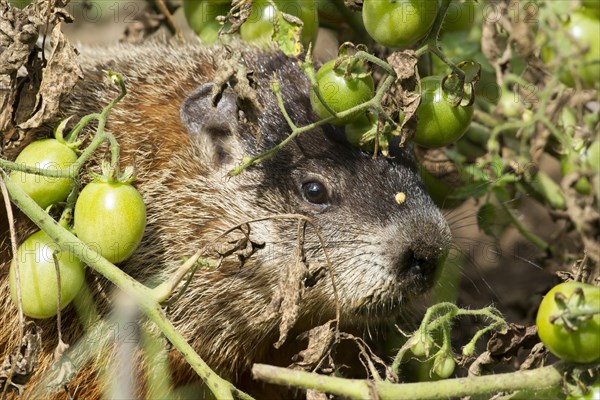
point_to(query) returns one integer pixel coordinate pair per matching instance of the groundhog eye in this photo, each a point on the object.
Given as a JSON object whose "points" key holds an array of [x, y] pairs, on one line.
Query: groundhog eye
{"points": [[315, 192]]}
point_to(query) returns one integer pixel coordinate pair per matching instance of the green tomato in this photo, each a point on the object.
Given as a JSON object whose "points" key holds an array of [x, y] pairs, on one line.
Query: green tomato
{"points": [[444, 365], [210, 33], [422, 344], [201, 15], [259, 25], [510, 104], [38, 281], [460, 16], [583, 159], [592, 158], [355, 130], [110, 218], [399, 23], [581, 345], [440, 192], [585, 31], [592, 9], [439, 122], [340, 93], [49, 154]]}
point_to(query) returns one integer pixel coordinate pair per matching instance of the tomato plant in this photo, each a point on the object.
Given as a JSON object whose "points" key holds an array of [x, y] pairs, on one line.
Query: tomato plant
{"points": [[581, 34], [421, 344], [572, 338], [37, 274], [48, 154], [259, 25], [440, 123], [341, 89], [398, 23], [110, 218]]}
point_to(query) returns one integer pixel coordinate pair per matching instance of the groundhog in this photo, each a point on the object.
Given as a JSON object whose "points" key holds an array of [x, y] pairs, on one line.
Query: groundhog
{"points": [[183, 142]]}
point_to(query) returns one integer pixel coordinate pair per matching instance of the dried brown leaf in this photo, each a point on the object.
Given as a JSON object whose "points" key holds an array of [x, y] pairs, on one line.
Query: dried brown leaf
{"points": [[285, 304], [19, 30], [18, 367], [59, 78], [402, 95], [315, 395], [509, 342], [320, 340]]}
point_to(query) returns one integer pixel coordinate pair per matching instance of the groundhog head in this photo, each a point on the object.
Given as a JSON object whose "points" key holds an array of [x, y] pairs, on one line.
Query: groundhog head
{"points": [[381, 230]]}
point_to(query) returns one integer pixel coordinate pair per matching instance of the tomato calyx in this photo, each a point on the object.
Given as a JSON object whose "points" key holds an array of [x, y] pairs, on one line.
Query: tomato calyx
{"points": [[350, 67], [421, 344], [444, 364], [573, 310], [460, 91], [112, 174]]}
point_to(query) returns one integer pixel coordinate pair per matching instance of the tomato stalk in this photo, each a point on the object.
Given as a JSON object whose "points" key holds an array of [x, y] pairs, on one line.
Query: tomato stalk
{"points": [[431, 41], [439, 316], [540, 378], [99, 139]]}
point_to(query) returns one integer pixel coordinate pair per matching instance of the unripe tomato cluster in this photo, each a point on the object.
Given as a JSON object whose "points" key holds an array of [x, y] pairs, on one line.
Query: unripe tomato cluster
{"points": [[110, 217], [201, 16], [396, 24]]}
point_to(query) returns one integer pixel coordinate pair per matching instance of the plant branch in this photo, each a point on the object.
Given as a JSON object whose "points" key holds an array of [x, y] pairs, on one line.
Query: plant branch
{"points": [[540, 378]]}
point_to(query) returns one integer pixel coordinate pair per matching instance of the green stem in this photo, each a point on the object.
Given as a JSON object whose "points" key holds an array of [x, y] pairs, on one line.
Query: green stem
{"points": [[486, 119], [431, 42], [540, 378], [532, 237], [578, 313], [53, 173]]}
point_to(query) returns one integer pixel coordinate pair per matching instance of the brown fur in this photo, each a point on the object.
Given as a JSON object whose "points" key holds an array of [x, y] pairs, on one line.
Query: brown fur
{"points": [[373, 241]]}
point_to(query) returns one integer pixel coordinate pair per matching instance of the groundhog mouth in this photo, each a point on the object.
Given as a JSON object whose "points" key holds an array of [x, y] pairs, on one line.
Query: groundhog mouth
{"points": [[392, 296]]}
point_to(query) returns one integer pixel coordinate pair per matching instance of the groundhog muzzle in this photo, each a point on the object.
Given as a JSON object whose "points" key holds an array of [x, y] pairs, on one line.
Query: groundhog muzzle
{"points": [[383, 251]]}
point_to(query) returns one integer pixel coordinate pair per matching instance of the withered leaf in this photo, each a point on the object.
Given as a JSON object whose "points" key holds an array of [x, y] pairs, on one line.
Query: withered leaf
{"points": [[320, 339], [314, 395], [285, 303], [23, 361], [60, 76], [402, 94], [508, 343]]}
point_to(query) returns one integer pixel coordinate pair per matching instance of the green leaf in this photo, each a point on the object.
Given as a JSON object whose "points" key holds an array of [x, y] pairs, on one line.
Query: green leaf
{"points": [[475, 190], [486, 217], [286, 32]]}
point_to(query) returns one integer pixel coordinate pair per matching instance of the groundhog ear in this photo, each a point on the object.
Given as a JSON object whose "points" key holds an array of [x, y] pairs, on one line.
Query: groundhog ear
{"points": [[213, 127]]}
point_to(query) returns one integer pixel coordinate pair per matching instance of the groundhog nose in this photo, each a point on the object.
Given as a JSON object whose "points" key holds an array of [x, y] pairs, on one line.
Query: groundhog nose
{"points": [[422, 264]]}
